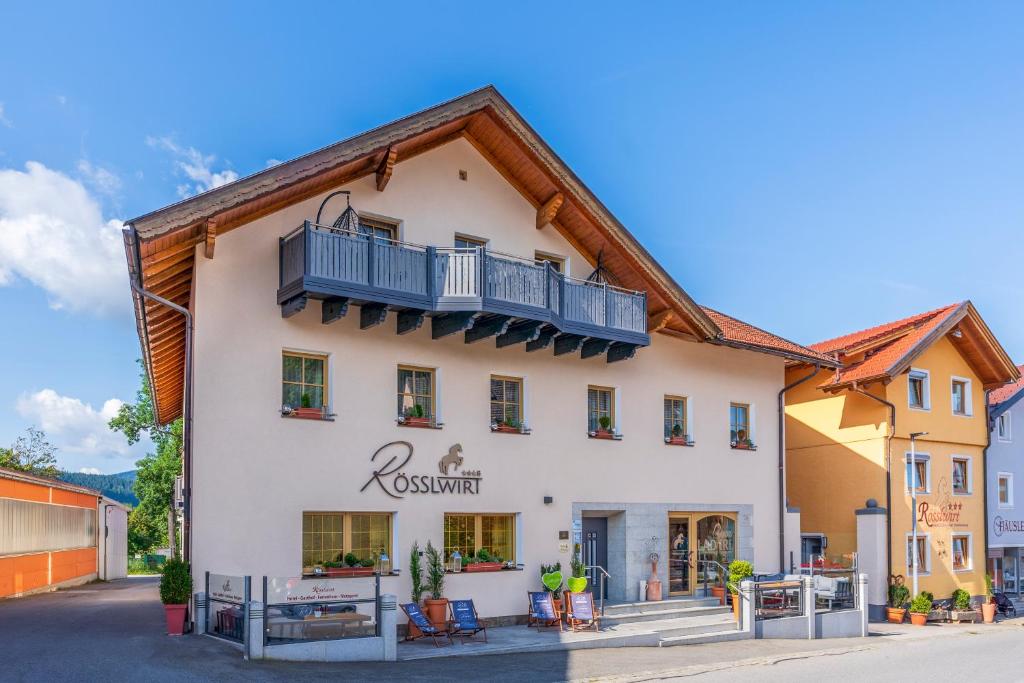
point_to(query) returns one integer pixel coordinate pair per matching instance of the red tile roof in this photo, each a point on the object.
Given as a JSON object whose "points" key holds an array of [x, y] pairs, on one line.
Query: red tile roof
{"points": [[857, 338], [1004, 393], [738, 332]]}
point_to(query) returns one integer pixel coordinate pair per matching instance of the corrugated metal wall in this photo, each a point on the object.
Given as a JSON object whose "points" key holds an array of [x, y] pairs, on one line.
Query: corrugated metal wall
{"points": [[29, 527]]}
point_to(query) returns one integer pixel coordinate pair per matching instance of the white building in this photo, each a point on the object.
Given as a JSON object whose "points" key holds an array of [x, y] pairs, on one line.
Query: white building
{"points": [[513, 368]]}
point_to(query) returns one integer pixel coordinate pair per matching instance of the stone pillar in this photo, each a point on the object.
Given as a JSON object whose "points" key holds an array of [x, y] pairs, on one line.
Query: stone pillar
{"points": [[254, 642], [201, 606], [746, 598], [862, 603], [873, 557], [809, 609], [389, 626]]}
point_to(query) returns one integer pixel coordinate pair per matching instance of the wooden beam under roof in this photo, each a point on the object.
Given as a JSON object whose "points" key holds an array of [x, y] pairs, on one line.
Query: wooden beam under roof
{"points": [[386, 168], [549, 209], [211, 237]]}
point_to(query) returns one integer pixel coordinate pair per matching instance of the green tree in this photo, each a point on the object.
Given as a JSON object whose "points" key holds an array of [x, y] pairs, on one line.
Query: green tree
{"points": [[154, 482], [33, 454]]}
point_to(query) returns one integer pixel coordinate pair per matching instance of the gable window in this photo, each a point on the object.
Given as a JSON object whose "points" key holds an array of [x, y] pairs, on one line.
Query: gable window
{"points": [[415, 396], [961, 476], [506, 404], [330, 536], [466, 242], [919, 390], [676, 421], [961, 547], [469, 534], [919, 473], [600, 411], [378, 228], [1004, 489], [557, 262], [923, 556], [961, 396], [1003, 427], [740, 435], [303, 381]]}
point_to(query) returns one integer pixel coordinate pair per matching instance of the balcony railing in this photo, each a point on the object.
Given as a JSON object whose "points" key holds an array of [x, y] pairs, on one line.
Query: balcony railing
{"points": [[321, 261]]}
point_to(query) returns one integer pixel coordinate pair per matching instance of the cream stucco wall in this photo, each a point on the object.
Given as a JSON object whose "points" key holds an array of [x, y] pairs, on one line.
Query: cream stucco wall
{"points": [[256, 472]]}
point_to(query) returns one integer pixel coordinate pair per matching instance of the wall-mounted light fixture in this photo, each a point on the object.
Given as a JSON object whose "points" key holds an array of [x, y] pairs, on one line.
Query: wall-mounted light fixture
{"points": [[548, 500]]}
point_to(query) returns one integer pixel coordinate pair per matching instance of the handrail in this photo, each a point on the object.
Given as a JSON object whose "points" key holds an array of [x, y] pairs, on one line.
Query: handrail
{"points": [[604, 574]]}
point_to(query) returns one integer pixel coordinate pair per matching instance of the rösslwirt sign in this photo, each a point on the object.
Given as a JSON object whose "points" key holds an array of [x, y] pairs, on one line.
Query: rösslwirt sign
{"points": [[392, 478]]}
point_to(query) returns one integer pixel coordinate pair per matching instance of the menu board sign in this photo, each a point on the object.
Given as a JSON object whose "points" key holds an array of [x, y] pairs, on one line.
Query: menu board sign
{"points": [[296, 590], [226, 588]]}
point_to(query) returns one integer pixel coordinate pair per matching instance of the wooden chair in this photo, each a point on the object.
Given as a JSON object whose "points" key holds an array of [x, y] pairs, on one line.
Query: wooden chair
{"points": [[579, 612], [465, 621], [542, 610], [418, 619]]}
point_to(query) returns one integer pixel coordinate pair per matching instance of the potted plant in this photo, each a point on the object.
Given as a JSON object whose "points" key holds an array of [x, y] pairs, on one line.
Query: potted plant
{"points": [[306, 409], [436, 604], [962, 607], [919, 609], [577, 583], [416, 574], [551, 577], [175, 592], [898, 594], [988, 606], [604, 428], [349, 565], [484, 562], [415, 416], [677, 437], [742, 441], [739, 570], [509, 426]]}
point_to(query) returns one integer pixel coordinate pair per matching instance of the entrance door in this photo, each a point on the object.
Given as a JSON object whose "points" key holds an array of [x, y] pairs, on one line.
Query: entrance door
{"points": [[716, 547], [680, 567], [595, 550]]}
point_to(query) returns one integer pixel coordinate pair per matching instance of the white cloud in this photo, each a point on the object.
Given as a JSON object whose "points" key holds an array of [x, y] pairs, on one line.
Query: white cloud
{"points": [[101, 180], [90, 470], [75, 427], [4, 121], [62, 100], [273, 162], [53, 234], [194, 165]]}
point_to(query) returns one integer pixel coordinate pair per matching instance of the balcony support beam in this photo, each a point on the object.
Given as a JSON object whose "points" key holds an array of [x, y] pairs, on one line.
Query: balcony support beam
{"points": [[544, 338], [490, 326], [595, 347], [386, 167], [620, 351], [410, 320], [333, 309], [451, 323], [568, 343], [371, 315], [293, 306], [522, 331]]}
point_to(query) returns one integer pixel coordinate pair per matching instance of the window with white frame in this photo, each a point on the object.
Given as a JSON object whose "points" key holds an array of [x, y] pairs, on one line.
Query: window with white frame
{"points": [[923, 556], [1003, 427], [960, 396], [961, 475], [919, 389], [960, 546], [1004, 489], [919, 473]]}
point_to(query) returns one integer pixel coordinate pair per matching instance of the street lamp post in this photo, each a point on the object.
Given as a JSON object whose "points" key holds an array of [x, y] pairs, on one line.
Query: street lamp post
{"points": [[913, 510]]}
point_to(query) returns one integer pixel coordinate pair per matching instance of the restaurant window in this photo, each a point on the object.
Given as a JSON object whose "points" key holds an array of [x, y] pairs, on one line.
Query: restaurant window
{"points": [[416, 393], [1003, 426], [676, 422], [600, 409], [506, 401], [919, 473], [961, 396], [330, 536], [1004, 489], [466, 242], [923, 557], [557, 262], [378, 228], [303, 380], [961, 547], [740, 435], [918, 390], [470, 533], [961, 476]]}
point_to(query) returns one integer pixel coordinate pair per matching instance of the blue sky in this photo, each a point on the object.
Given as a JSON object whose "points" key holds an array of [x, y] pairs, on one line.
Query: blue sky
{"points": [[813, 168]]}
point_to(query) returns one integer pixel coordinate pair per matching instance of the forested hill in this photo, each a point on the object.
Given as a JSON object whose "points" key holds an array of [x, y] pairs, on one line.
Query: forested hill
{"points": [[117, 486]]}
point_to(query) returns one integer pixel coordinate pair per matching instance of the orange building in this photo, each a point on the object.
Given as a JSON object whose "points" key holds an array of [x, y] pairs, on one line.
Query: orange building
{"points": [[49, 537]]}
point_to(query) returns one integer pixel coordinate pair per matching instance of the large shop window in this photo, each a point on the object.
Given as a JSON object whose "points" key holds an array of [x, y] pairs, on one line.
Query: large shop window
{"points": [[330, 536], [469, 533], [600, 409], [303, 380], [923, 557], [416, 391], [507, 401]]}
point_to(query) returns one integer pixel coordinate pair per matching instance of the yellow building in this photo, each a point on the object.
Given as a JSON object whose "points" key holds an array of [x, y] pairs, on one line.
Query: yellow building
{"points": [[848, 432]]}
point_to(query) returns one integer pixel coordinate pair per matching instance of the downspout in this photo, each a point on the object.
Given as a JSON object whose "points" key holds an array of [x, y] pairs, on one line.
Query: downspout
{"points": [[888, 472], [984, 470], [782, 462], [135, 278]]}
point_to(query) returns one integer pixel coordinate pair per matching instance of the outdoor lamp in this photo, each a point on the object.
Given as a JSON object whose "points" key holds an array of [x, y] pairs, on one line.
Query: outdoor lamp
{"points": [[456, 564], [383, 563]]}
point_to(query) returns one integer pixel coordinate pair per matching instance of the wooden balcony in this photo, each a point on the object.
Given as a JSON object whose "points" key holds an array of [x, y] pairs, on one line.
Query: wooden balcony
{"points": [[475, 291]]}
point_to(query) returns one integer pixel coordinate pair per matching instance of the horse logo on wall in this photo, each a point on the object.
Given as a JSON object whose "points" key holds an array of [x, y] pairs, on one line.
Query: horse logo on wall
{"points": [[454, 457]]}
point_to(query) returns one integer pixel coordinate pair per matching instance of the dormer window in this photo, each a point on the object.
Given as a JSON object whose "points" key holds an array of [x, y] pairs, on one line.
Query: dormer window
{"points": [[919, 390]]}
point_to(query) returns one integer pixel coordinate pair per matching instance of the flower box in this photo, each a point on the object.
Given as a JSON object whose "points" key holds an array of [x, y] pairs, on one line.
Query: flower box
{"points": [[416, 421], [508, 429], [679, 441], [604, 434], [740, 446], [307, 413], [342, 572], [968, 615], [484, 567]]}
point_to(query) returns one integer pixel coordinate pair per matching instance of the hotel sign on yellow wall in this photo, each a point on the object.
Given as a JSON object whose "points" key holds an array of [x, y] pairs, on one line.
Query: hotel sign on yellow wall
{"points": [[944, 515]]}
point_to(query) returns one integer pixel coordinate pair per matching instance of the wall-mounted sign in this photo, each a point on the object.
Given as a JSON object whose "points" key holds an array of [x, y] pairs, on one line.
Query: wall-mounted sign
{"points": [[944, 515], [227, 588], [1002, 526], [295, 590], [395, 482]]}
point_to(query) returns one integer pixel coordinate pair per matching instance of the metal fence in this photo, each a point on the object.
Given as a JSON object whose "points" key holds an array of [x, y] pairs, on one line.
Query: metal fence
{"points": [[778, 599]]}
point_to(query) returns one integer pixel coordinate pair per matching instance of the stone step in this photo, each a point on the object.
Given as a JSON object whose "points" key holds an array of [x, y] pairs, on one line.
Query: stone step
{"points": [[693, 625], [674, 613], [614, 608], [707, 637]]}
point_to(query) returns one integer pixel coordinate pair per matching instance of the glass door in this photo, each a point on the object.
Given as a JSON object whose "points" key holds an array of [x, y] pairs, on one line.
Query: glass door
{"points": [[716, 547], [679, 565], [1010, 575]]}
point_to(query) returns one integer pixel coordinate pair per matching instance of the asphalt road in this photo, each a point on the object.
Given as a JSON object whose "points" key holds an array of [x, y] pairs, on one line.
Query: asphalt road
{"points": [[115, 632]]}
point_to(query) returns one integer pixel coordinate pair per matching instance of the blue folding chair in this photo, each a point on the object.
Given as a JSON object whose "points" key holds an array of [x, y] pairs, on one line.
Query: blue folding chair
{"points": [[465, 620], [418, 619]]}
